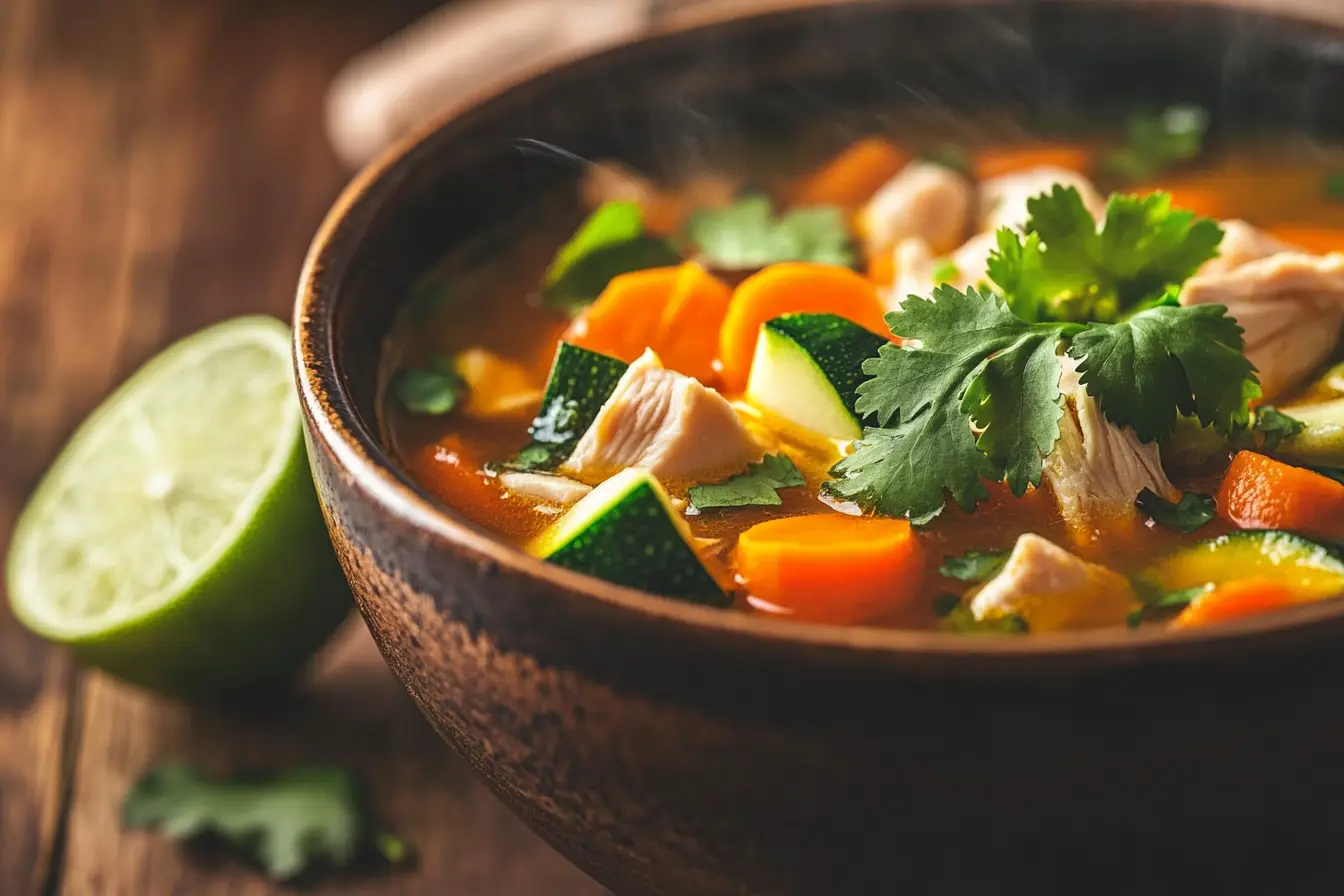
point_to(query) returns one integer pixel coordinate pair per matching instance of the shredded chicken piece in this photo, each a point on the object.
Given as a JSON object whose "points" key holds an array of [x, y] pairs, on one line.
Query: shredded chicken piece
{"points": [[1290, 303], [1003, 200], [1053, 590], [544, 487], [668, 423], [915, 266], [924, 200], [1097, 469]]}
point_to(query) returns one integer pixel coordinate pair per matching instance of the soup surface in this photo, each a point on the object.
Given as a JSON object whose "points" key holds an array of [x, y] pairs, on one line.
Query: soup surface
{"points": [[937, 386]]}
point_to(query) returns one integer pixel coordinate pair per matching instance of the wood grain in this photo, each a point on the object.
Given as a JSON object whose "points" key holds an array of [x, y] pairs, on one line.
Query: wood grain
{"points": [[162, 166]]}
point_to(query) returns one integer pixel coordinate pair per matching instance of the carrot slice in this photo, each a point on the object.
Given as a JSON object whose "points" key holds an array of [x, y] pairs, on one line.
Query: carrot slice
{"points": [[624, 320], [850, 178], [1235, 600], [451, 472], [830, 567], [1259, 492], [687, 339], [1318, 240], [882, 268], [790, 288], [999, 161]]}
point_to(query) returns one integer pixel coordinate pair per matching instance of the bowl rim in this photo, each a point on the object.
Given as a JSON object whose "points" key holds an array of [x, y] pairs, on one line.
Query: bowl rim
{"points": [[329, 410]]}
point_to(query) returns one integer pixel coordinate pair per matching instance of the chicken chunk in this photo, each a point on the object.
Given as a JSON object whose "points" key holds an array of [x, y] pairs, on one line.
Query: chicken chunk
{"points": [[666, 422], [925, 200], [544, 487], [1097, 469], [915, 266], [1290, 303], [1003, 200], [1053, 590]]}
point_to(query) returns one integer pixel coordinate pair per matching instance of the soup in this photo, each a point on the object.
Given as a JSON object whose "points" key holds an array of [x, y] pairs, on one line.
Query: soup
{"points": [[934, 387]]}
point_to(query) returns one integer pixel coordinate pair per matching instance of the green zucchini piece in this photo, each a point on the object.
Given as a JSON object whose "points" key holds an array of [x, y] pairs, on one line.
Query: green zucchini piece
{"points": [[807, 369], [1312, 570], [626, 531], [1321, 443], [580, 383]]}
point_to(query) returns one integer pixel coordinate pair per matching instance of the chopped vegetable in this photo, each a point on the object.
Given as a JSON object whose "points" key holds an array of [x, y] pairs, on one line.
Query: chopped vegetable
{"points": [[831, 567], [989, 163], [609, 243], [1191, 512], [580, 383], [1316, 240], [855, 174], [945, 270], [688, 332], [289, 823], [1319, 442], [497, 386], [950, 155], [974, 566], [1156, 142], [1259, 492], [1273, 426], [1235, 600], [757, 486], [625, 319], [748, 235], [434, 392], [1333, 185], [963, 622], [789, 289], [1312, 570]]}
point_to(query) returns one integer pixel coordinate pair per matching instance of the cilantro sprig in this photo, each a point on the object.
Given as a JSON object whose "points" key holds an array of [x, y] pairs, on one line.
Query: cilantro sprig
{"points": [[758, 486], [748, 234]]}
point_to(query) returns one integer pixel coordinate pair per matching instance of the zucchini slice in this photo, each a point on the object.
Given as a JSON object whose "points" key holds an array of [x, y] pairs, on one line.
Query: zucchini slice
{"points": [[1321, 443], [807, 369], [579, 384], [1314, 571], [626, 531]]}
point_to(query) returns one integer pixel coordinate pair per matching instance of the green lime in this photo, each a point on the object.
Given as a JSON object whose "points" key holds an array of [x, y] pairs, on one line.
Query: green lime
{"points": [[177, 541]]}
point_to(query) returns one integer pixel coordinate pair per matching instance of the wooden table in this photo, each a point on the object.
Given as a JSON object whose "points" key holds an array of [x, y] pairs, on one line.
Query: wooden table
{"points": [[162, 166]]}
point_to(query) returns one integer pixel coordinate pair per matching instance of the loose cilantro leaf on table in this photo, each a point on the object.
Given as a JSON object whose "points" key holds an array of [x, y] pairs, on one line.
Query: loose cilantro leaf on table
{"points": [[1063, 268], [289, 823], [749, 235], [609, 243], [974, 566], [1191, 512], [757, 486], [1156, 142], [1273, 426], [434, 391]]}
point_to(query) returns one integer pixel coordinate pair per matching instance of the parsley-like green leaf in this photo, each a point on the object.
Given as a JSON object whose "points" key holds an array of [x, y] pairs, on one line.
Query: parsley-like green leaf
{"points": [[952, 156], [945, 270], [609, 243], [974, 566], [967, 360], [1333, 186], [1064, 268], [945, 604], [1156, 142], [288, 823], [1165, 361], [1273, 426], [1191, 512], [748, 235], [757, 486], [435, 391]]}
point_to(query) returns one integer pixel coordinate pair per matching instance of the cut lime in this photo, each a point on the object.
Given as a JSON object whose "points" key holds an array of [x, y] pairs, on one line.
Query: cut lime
{"points": [[177, 541]]}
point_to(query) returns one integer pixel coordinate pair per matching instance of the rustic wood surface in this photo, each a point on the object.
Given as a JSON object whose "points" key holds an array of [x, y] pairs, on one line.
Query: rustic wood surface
{"points": [[162, 166]]}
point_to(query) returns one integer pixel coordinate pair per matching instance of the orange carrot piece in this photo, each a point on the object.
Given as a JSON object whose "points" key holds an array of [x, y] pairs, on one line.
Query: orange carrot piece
{"points": [[625, 318], [1318, 240], [452, 472], [688, 332], [882, 268], [1259, 492], [830, 567], [1202, 199], [790, 288], [852, 177], [1235, 600], [999, 161]]}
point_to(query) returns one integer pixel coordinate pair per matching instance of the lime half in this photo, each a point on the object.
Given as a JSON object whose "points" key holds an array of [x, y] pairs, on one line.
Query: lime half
{"points": [[177, 541]]}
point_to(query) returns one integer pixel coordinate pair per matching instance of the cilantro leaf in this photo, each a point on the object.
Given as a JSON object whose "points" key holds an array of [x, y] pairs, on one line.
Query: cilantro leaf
{"points": [[1191, 512], [1064, 268], [1333, 186], [1156, 142], [435, 391], [757, 486], [609, 243], [1165, 361], [973, 566], [748, 235], [967, 359], [289, 823], [1273, 426]]}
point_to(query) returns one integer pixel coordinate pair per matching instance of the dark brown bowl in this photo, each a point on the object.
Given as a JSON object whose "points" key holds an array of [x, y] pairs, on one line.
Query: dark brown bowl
{"points": [[674, 749]]}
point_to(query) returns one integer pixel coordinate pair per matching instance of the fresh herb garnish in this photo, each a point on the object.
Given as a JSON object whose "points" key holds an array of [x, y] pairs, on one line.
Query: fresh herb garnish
{"points": [[434, 391], [1273, 426], [579, 384], [945, 603], [1333, 186], [962, 621], [757, 486], [974, 566], [609, 243], [950, 155], [749, 235], [1157, 142], [1191, 512], [945, 270], [289, 823]]}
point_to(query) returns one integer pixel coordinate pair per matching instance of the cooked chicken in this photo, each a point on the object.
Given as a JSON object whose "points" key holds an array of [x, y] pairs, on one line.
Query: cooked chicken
{"points": [[1003, 200], [666, 422], [1052, 590], [925, 200], [544, 487], [915, 266], [1097, 469], [1290, 304]]}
